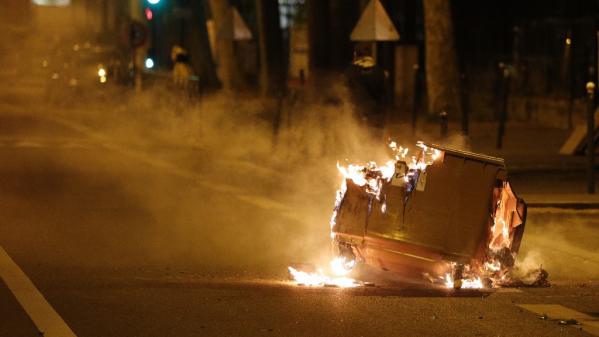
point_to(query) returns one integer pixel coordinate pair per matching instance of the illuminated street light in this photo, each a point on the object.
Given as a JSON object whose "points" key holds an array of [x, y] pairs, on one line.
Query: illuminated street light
{"points": [[568, 41], [153, 2], [149, 63]]}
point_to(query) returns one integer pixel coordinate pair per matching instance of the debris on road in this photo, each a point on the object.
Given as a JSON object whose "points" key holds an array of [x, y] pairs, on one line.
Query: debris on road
{"points": [[536, 278]]}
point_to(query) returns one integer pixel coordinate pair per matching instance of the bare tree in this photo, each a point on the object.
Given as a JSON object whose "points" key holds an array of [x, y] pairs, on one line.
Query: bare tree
{"points": [[442, 76], [272, 73], [318, 34], [201, 60]]}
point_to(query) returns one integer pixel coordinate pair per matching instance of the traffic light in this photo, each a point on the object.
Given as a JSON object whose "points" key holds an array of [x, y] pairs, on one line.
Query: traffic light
{"points": [[149, 14], [152, 12]]}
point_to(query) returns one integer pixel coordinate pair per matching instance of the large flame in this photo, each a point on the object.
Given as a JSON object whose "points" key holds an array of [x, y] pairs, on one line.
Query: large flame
{"points": [[371, 177], [319, 279], [499, 246], [340, 267]]}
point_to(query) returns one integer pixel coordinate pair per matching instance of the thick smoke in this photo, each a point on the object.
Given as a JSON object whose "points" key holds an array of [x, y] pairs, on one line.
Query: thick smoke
{"points": [[561, 242], [230, 182]]}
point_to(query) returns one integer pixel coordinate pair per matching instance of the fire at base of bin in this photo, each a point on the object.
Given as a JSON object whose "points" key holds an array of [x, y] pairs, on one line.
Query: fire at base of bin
{"points": [[448, 216]]}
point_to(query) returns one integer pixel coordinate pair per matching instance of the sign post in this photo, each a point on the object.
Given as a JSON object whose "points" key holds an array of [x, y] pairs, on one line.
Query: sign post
{"points": [[136, 36], [374, 25], [590, 137]]}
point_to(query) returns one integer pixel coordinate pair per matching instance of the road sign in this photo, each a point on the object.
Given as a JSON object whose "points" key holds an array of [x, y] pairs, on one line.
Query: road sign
{"points": [[374, 25], [136, 34], [241, 31]]}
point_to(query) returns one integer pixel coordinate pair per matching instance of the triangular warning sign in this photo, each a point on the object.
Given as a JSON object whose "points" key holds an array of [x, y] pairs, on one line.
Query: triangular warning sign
{"points": [[240, 28], [374, 25]]}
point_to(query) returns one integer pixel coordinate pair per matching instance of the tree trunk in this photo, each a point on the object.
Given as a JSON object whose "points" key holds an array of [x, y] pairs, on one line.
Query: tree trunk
{"points": [[345, 15], [318, 33], [442, 76], [272, 67], [223, 25], [199, 46]]}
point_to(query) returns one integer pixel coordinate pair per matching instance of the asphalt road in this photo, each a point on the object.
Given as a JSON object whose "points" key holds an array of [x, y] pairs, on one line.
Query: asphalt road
{"points": [[122, 245]]}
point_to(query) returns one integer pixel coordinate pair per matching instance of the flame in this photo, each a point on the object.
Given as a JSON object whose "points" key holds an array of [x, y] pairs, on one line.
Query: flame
{"points": [[504, 220], [338, 199], [493, 265], [340, 267], [469, 283], [475, 283], [371, 177]]}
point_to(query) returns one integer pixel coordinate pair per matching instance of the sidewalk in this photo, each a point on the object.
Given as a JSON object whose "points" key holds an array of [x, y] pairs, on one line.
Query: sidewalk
{"points": [[564, 201], [526, 146]]}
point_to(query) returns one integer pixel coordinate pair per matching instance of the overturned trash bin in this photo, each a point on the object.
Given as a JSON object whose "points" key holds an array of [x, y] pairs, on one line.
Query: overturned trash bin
{"points": [[442, 212]]}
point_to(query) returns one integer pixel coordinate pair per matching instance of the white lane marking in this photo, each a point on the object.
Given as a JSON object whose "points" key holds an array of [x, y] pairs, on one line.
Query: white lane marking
{"points": [[555, 311], [42, 143], [26, 143], [47, 320]]}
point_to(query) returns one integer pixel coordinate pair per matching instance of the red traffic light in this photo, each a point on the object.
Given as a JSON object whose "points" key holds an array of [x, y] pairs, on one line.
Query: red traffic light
{"points": [[149, 14]]}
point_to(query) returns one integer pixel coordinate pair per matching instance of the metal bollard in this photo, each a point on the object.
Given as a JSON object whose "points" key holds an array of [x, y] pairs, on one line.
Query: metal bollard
{"points": [[465, 104], [443, 124], [504, 105], [302, 76], [416, 97], [590, 137]]}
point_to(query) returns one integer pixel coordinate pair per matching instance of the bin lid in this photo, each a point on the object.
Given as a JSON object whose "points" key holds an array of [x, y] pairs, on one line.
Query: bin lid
{"points": [[470, 155]]}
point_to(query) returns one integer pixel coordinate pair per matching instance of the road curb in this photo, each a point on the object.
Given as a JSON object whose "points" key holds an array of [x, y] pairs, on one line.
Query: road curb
{"points": [[563, 205]]}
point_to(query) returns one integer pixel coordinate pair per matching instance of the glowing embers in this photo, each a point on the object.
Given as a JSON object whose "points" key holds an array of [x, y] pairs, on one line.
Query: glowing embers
{"points": [[475, 283], [494, 272]]}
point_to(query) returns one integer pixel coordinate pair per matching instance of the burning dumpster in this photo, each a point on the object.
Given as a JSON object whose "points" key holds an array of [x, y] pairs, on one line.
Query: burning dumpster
{"points": [[446, 214]]}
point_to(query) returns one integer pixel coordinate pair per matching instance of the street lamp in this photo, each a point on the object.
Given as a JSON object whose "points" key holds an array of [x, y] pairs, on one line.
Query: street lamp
{"points": [[590, 137], [153, 2], [149, 63]]}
